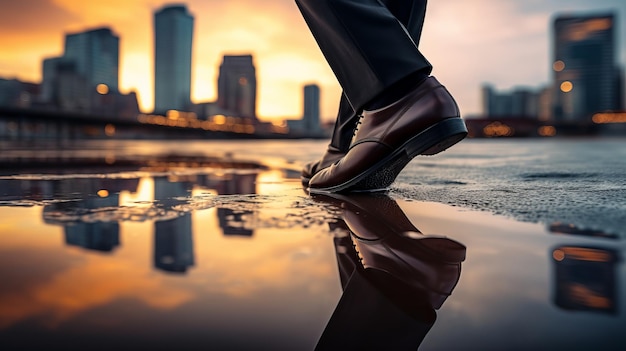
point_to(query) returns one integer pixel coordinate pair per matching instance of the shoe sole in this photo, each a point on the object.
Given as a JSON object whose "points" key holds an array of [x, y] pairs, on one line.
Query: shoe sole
{"points": [[434, 247], [380, 176], [305, 180]]}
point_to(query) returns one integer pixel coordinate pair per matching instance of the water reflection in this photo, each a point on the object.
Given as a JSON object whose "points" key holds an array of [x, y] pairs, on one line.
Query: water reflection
{"points": [[173, 243], [89, 209], [585, 277], [393, 277], [232, 221]]}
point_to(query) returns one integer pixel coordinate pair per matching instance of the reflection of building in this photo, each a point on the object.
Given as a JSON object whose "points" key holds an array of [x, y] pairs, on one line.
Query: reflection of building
{"points": [[570, 229], [233, 222], [586, 76], [173, 243], [585, 278], [100, 236], [80, 226], [236, 86], [173, 34]]}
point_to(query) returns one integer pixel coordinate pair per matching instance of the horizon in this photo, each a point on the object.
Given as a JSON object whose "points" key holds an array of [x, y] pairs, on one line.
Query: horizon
{"points": [[286, 56]]}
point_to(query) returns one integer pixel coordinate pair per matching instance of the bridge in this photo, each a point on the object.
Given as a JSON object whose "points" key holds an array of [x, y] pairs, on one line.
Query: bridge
{"points": [[18, 124]]}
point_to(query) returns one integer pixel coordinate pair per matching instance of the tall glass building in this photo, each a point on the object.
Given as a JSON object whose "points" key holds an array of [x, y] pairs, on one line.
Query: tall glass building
{"points": [[95, 54], [236, 86], [586, 76], [173, 35]]}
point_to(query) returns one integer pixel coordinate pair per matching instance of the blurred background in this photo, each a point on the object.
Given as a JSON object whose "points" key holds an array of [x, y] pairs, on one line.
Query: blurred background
{"points": [[252, 68]]}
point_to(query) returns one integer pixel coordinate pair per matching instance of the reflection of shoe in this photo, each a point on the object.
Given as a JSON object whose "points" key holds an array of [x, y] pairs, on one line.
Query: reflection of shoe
{"points": [[424, 122], [386, 241], [331, 156]]}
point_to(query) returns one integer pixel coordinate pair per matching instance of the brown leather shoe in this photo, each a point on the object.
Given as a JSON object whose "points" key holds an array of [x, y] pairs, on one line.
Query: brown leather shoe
{"points": [[424, 122], [386, 241], [331, 156]]}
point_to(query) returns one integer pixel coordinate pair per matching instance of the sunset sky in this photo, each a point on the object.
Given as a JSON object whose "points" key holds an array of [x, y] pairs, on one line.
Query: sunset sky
{"points": [[469, 42]]}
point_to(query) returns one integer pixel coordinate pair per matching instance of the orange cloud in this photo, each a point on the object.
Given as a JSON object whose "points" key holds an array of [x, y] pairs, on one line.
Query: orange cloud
{"points": [[285, 53]]}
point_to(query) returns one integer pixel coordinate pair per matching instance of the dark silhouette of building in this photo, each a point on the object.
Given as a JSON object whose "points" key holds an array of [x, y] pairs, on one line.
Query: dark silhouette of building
{"points": [[95, 54], [236, 86], [520, 102], [311, 115], [173, 242], [587, 79], [15, 93], [309, 125], [173, 35], [86, 78], [233, 222], [585, 278], [101, 236]]}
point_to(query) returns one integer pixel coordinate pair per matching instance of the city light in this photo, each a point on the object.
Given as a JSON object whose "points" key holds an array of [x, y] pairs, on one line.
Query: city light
{"points": [[546, 131], [609, 117], [498, 129], [219, 119], [217, 123], [109, 130], [567, 86], [102, 89], [558, 66]]}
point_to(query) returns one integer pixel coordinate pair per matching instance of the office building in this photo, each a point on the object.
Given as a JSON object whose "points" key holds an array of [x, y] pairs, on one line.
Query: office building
{"points": [[586, 75], [311, 115], [65, 87], [236, 86], [520, 102], [95, 55], [309, 125], [173, 35]]}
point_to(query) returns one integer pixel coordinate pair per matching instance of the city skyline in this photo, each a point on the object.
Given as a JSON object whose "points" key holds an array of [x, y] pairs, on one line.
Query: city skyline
{"points": [[518, 53]]}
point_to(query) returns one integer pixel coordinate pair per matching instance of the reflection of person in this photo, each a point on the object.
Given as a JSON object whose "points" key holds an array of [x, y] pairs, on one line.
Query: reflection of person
{"points": [[372, 47], [393, 276]]}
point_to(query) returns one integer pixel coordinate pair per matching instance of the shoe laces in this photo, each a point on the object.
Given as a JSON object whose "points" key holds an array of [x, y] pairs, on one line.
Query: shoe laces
{"points": [[356, 127]]}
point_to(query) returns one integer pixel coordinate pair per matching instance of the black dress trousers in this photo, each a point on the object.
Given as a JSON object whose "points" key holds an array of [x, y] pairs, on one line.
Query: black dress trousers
{"points": [[369, 44]]}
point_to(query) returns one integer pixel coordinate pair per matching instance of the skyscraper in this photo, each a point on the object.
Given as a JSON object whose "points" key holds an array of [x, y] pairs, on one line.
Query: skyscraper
{"points": [[236, 86], [586, 74], [95, 54], [173, 35], [519, 103], [311, 116]]}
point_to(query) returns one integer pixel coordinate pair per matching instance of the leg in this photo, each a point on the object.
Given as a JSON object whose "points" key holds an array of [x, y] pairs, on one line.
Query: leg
{"points": [[367, 48], [382, 73], [411, 15]]}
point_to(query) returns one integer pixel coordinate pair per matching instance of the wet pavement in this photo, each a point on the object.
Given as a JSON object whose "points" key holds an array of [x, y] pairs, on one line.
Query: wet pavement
{"points": [[226, 255]]}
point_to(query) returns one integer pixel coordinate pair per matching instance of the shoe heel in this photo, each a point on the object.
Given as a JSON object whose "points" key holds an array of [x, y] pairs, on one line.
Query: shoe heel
{"points": [[441, 136]]}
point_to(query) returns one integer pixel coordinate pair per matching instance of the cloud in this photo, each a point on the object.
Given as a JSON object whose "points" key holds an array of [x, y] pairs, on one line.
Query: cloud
{"points": [[469, 42], [28, 17], [506, 43]]}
